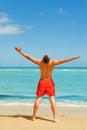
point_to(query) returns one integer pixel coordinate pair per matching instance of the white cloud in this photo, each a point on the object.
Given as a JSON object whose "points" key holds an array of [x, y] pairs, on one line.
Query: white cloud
{"points": [[8, 27], [4, 20]]}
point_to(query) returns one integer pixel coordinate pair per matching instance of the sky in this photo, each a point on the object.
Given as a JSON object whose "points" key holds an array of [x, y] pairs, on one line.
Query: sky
{"points": [[54, 27]]}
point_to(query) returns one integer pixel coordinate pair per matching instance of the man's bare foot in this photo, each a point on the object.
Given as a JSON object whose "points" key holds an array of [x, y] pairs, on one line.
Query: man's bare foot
{"points": [[33, 118], [56, 120]]}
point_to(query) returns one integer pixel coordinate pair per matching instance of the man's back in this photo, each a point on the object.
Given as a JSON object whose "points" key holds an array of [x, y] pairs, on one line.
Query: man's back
{"points": [[46, 69]]}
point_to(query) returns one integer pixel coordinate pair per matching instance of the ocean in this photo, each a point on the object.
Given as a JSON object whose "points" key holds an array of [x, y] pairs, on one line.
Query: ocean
{"points": [[18, 85]]}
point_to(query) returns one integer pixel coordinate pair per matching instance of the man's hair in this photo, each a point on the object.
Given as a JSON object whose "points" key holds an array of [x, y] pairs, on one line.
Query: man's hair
{"points": [[46, 59]]}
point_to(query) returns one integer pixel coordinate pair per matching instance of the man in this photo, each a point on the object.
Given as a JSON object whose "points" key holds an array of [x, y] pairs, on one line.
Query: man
{"points": [[45, 84]]}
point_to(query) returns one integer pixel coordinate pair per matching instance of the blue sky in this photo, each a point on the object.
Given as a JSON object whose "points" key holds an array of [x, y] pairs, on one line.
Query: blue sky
{"points": [[56, 27]]}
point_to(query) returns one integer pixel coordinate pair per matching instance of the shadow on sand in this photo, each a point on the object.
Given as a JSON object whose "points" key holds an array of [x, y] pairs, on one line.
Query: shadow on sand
{"points": [[30, 118]]}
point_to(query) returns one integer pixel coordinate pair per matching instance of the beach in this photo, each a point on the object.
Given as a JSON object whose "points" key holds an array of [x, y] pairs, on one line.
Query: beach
{"points": [[18, 93], [19, 117]]}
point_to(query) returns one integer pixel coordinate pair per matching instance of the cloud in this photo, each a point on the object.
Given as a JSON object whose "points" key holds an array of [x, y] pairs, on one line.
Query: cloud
{"points": [[54, 12], [8, 27], [61, 14], [4, 20], [64, 15]]}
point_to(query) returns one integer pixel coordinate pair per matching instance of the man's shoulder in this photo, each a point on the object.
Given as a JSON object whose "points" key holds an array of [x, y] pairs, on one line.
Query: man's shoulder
{"points": [[51, 62]]}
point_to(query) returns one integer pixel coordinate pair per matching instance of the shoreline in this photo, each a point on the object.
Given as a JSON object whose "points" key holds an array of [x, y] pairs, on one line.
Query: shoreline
{"points": [[77, 111]]}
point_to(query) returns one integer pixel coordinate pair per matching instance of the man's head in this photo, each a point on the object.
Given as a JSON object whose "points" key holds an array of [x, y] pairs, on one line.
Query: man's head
{"points": [[46, 59]]}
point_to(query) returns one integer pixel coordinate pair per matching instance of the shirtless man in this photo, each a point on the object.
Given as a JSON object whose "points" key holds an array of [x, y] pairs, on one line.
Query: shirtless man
{"points": [[45, 84]]}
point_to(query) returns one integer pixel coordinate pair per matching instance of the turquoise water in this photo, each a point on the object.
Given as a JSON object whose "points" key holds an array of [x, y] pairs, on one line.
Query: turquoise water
{"points": [[18, 85]]}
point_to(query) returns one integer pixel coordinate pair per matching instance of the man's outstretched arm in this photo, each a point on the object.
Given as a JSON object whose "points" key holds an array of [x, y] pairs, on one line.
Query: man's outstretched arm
{"points": [[34, 60], [57, 62]]}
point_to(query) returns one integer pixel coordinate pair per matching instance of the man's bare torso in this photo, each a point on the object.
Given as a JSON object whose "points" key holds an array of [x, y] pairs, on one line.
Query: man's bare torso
{"points": [[46, 70]]}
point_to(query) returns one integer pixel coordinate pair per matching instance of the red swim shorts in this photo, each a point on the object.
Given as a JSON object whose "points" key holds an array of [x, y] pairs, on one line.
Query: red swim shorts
{"points": [[45, 86]]}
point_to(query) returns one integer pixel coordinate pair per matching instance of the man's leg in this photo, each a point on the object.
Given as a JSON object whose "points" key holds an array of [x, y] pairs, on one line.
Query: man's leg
{"points": [[36, 105], [53, 107]]}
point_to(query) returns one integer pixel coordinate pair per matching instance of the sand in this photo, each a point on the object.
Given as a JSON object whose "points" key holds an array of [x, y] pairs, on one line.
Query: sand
{"points": [[18, 117]]}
